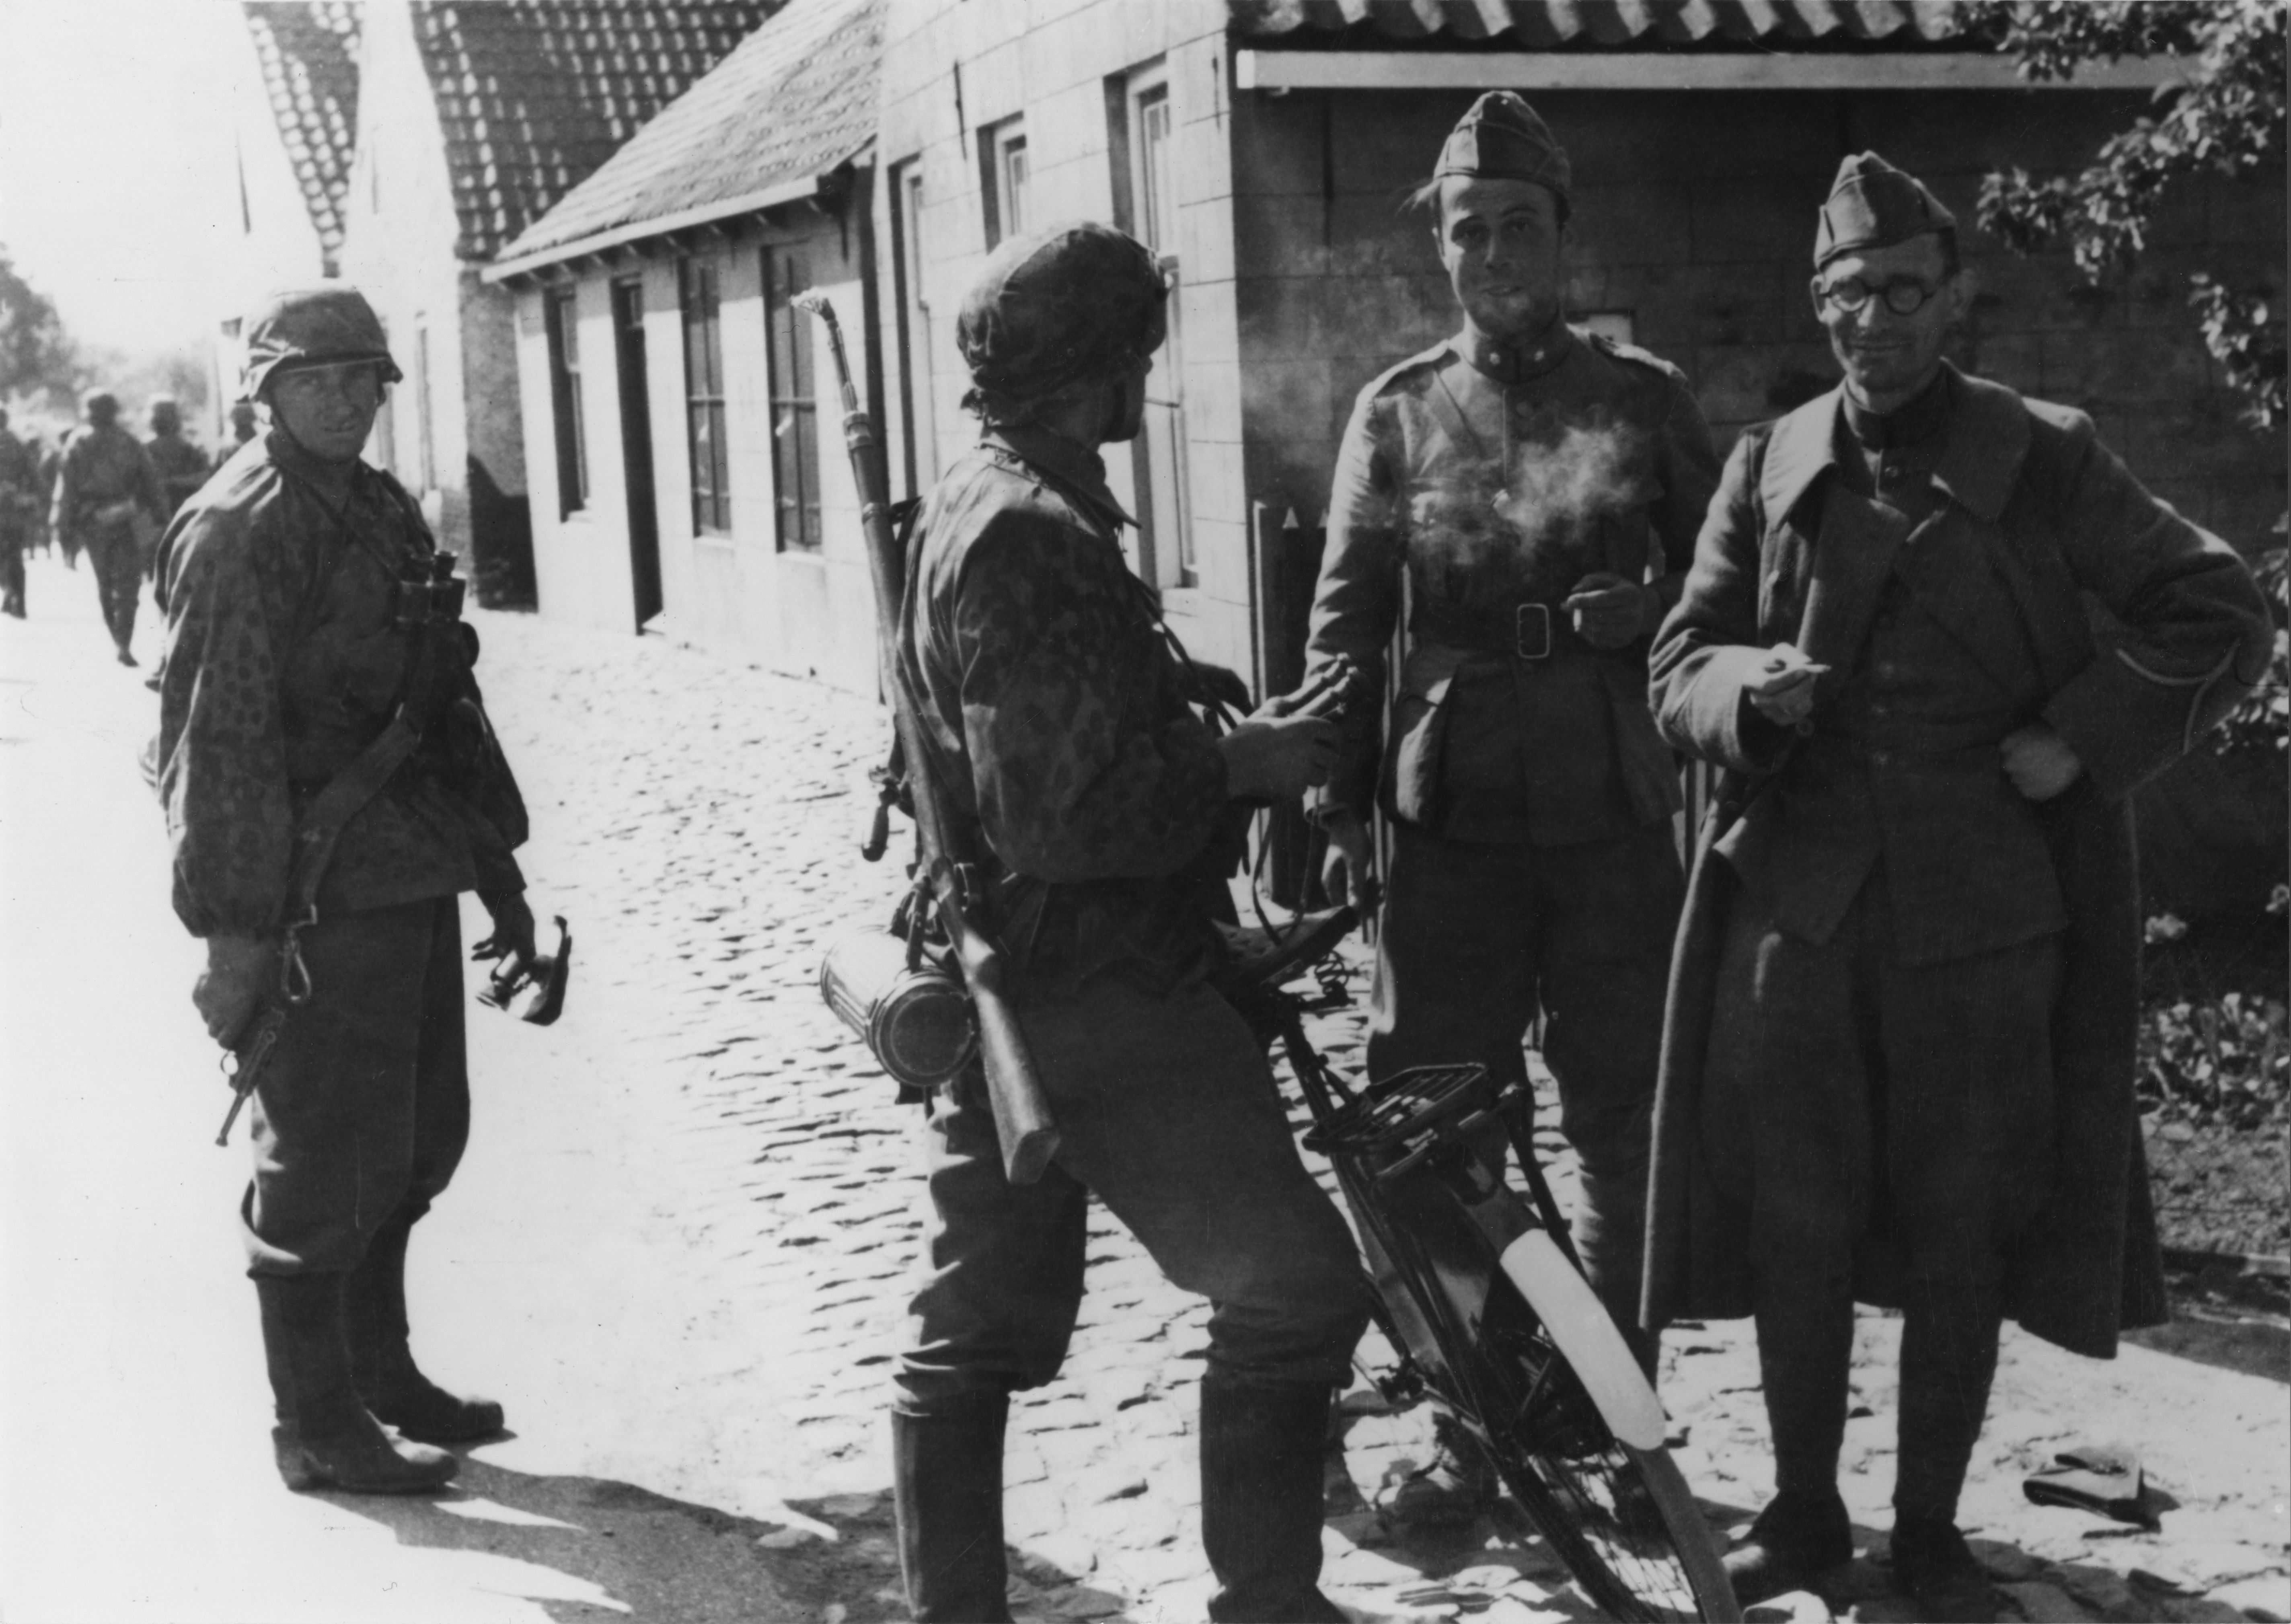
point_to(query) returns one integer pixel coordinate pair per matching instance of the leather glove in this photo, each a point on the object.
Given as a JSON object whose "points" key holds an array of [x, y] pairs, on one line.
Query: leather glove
{"points": [[240, 969]]}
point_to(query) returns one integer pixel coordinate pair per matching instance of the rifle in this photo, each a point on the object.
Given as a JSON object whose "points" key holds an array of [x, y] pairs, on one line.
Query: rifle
{"points": [[251, 1045], [1023, 1122]]}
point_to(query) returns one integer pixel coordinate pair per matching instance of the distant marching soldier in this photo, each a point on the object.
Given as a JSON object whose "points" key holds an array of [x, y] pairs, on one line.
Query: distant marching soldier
{"points": [[309, 633], [242, 431], [182, 466], [1538, 490], [19, 485], [108, 498], [1899, 1063]]}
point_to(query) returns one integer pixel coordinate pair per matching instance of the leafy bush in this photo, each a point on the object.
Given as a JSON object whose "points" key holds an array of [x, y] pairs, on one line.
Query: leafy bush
{"points": [[2226, 1059]]}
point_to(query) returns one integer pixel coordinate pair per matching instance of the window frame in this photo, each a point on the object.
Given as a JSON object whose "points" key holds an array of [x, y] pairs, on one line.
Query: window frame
{"points": [[562, 321], [792, 400], [699, 311], [1153, 215], [1004, 194]]}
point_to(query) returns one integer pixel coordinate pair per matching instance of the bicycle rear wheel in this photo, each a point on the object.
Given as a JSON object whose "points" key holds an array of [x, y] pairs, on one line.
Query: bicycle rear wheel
{"points": [[1619, 1516]]}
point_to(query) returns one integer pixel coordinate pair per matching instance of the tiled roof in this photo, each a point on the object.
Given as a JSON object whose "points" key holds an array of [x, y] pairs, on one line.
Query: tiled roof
{"points": [[308, 50], [1604, 24], [534, 95], [792, 103]]}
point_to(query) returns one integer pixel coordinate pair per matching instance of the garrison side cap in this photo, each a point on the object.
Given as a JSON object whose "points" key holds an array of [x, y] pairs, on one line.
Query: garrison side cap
{"points": [[319, 325], [1501, 139], [1872, 205]]}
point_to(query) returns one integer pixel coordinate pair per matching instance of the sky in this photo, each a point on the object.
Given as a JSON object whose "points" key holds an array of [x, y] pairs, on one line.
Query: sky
{"points": [[119, 189]]}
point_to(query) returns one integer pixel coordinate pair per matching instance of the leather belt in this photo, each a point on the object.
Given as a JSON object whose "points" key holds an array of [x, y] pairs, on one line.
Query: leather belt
{"points": [[1525, 630]]}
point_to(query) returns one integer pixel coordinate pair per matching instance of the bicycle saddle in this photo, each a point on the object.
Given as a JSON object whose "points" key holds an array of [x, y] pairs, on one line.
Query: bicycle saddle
{"points": [[1258, 958]]}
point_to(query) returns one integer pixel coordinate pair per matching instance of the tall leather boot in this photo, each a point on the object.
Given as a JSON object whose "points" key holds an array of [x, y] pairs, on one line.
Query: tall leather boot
{"points": [[947, 1484], [381, 1363], [1261, 1449], [325, 1439]]}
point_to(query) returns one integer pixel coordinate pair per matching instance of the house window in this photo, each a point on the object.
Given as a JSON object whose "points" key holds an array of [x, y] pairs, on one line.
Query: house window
{"points": [[564, 390], [425, 440], [1007, 176], [1165, 515], [795, 409], [703, 400], [914, 325]]}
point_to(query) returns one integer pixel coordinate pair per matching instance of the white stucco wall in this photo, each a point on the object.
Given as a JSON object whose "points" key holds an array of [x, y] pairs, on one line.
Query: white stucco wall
{"points": [[1048, 62]]}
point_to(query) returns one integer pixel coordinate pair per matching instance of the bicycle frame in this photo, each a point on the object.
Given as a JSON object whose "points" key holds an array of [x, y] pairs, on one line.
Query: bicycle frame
{"points": [[1483, 1297]]}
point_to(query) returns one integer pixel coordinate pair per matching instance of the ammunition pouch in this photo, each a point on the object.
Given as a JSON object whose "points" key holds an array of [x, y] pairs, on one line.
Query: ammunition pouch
{"points": [[909, 1006]]}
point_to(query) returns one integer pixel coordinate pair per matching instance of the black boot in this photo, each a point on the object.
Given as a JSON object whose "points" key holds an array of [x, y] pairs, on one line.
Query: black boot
{"points": [[382, 1363], [1261, 1452], [325, 1439], [1938, 1570], [947, 1482], [1799, 1543]]}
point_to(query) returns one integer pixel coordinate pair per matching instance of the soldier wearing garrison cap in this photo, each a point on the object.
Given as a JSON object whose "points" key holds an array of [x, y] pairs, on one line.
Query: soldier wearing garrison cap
{"points": [[1899, 1060], [1538, 489], [331, 786]]}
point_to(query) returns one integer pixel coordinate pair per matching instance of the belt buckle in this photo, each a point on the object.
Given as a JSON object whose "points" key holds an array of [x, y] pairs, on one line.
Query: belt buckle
{"points": [[1532, 631]]}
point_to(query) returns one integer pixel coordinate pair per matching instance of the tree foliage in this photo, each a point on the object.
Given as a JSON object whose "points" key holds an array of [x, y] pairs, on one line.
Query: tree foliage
{"points": [[36, 355], [2226, 120]]}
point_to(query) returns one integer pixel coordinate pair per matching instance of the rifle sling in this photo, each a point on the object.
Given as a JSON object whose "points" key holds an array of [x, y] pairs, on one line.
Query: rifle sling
{"points": [[330, 811]]}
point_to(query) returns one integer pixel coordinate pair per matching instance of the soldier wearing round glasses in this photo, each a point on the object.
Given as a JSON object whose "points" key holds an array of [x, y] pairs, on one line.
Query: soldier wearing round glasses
{"points": [[1898, 1061]]}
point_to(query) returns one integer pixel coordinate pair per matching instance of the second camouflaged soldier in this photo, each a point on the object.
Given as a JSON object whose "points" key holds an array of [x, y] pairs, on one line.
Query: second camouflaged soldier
{"points": [[1539, 491], [1057, 719], [182, 466], [308, 635], [108, 496]]}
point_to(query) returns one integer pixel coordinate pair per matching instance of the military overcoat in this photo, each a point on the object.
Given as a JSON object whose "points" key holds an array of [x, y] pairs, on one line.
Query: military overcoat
{"points": [[2180, 632]]}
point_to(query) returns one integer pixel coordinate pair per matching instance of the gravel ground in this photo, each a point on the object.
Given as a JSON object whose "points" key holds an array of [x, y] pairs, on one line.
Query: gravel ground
{"points": [[680, 1251]]}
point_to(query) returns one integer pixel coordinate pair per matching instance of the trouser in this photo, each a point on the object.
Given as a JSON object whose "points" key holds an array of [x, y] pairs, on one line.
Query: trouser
{"points": [[1876, 1119], [363, 1109], [1478, 939], [13, 538], [1168, 1111], [119, 576]]}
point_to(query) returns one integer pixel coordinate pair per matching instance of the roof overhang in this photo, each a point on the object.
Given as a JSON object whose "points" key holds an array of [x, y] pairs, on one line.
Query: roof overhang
{"points": [[771, 197], [1391, 70]]}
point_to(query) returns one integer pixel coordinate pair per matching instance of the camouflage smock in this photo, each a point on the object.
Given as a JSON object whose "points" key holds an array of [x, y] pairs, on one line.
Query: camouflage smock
{"points": [[101, 466], [282, 666], [1057, 714]]}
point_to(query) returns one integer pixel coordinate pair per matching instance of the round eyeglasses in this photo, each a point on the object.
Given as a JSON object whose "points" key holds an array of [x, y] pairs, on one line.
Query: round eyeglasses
{"points": [[1903, 295]]}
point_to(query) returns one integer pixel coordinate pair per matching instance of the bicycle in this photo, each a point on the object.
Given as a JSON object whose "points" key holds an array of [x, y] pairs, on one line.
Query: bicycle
{"points": [[1482, 1297]]}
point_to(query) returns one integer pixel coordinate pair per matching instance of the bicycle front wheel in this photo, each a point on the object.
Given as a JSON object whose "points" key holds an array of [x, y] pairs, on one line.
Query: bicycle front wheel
{"points": [[1617, 1513]]}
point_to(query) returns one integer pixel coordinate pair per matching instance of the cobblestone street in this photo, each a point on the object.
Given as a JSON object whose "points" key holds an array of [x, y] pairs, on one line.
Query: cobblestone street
{"points": [[680, 1251]]}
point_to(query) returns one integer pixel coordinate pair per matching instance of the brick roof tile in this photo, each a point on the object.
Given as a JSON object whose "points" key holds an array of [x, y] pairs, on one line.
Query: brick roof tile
{"points": [[308, 50], [796, 99], [1604, 24], [534, 95]]}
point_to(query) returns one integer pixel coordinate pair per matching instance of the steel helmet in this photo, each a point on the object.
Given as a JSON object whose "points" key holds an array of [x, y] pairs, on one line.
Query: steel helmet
{"points": [[1059, 305], [313, 327]]}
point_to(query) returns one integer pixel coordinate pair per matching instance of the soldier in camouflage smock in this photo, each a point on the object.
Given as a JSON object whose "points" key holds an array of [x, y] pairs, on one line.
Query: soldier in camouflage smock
{"points": [[289, 652], [1058, 719], [182, 467], [107, 491], [19, 484], [1539, 491]]}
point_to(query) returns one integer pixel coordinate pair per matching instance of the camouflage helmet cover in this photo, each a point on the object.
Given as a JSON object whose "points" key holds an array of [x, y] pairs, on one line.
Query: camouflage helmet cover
{"points": [[1059, 305], [313, 327]]}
